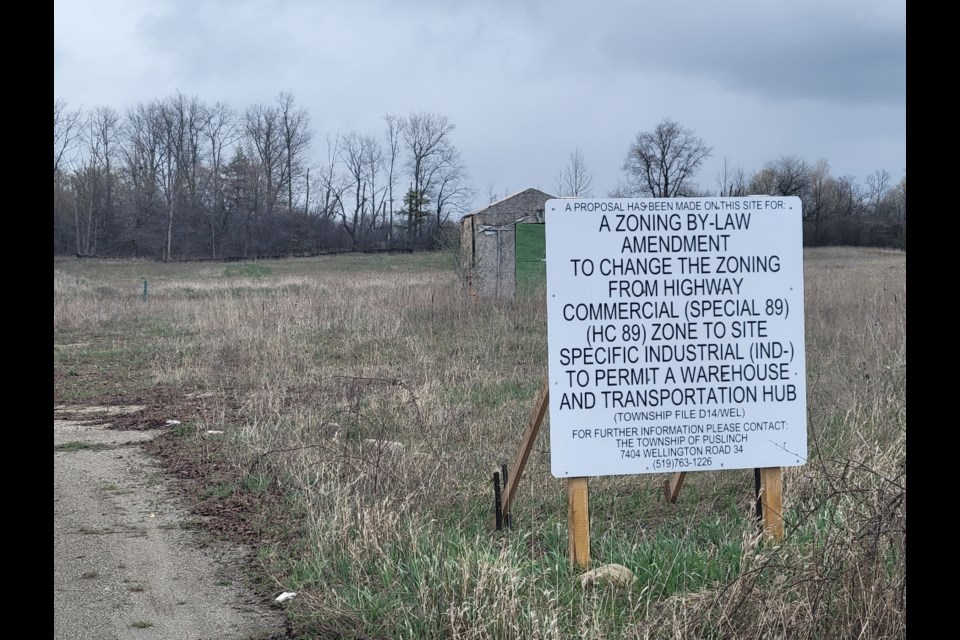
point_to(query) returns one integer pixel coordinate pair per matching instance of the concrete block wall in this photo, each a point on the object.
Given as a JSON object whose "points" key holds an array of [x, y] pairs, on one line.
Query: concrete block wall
{"points": [[488, 265]]}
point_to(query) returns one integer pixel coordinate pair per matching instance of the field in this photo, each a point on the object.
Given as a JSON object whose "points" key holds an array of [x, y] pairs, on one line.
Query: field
{"points": [[365, 401]]}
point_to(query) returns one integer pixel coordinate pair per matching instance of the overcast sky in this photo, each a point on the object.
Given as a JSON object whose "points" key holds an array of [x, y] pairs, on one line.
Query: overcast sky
{"points": [[525, 82]]}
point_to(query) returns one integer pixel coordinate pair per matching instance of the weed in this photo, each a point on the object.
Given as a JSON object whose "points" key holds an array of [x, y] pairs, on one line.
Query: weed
{"points": [[184, 430], [223, 490], [256, 482], [320, 365]]}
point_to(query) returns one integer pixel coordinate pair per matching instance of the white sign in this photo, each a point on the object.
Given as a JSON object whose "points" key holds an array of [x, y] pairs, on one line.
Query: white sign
{"points": [[675, 334]]}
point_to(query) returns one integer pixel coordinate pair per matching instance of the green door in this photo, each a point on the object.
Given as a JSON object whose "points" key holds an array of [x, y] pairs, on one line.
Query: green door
{"points": [[530, 257]]}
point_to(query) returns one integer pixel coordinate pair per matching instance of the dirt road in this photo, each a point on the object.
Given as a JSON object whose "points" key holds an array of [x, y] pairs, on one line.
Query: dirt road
{"points": [[126, 563]]}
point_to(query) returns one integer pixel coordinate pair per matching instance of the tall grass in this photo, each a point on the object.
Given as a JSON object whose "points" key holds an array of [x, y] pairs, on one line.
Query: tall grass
{"points": [[377, 399]]}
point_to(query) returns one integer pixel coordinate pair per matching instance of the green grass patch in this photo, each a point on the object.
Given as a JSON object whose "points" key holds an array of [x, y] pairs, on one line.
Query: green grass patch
{"points": [[493, 393], [184, 430], [222, 490], [417, 580], [301, 356], [247, 270], [255, 482]]}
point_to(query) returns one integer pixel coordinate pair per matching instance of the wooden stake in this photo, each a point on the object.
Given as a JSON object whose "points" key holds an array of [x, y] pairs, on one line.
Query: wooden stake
{"points": [[771, 480], [578, 521], [529, 437], [506, 516], [497, 512], [671, 486]]}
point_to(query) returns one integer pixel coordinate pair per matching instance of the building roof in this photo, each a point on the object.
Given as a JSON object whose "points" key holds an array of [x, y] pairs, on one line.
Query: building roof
{"points": [[547, 196]]}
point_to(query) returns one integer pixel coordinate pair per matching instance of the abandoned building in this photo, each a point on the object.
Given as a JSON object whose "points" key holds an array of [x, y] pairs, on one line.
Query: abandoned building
{"points": [[502, 246]]}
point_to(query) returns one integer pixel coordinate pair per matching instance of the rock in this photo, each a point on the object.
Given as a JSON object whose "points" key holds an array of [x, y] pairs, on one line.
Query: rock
{"points": [[610, 573]]}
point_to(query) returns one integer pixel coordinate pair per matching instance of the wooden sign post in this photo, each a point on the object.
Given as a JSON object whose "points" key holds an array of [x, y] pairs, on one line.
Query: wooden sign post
{"points": [[675, 343], [578, 489], [770, 502], [769, 491], [769, 498], [529, 436], [671, 487], [578, 521]]}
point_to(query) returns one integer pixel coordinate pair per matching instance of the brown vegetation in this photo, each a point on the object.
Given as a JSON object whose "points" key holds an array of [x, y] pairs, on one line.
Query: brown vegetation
{"points": [[303, 367]]}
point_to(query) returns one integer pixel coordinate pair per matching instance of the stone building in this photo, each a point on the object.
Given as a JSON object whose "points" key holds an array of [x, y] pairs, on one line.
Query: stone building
{"points": [[502, 245]]}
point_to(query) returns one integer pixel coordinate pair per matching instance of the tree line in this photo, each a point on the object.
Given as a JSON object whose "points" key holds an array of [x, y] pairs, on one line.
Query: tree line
{"points": [[837, 210], [177, 178]]}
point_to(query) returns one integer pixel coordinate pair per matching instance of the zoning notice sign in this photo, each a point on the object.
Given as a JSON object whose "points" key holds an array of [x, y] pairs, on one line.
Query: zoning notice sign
{"points": [[675, 334]]}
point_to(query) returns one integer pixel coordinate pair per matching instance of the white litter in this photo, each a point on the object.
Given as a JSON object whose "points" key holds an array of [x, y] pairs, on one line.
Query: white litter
{"points": [[286, 595], [172, 423], [213, 432]]}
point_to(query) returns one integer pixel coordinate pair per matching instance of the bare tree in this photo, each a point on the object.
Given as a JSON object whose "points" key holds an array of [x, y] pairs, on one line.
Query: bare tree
{"points": [[662, 163], [66, 127], [447, 185], [66, 133], [355, 153], [819, 204], [878, 183], [847, 197], [264, 130], [427, 138], [394, 132], [453, 193], [898, 199], [221, 131], [94, 181], [142, 156], [373, 165], [574, 180], [86, 182], [332, 184], [244, 193], [172, 114], [785, 176], [438, 174], [296, 134], [732, 182], [621, 190], [181, 122]]}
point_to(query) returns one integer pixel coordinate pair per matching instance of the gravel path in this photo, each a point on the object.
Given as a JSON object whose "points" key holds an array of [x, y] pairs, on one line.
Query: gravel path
{"points": [[125, 564]]}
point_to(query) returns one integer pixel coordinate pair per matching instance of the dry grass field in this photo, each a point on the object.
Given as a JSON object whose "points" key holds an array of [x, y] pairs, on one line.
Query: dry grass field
{"points": [[365, 401]]}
